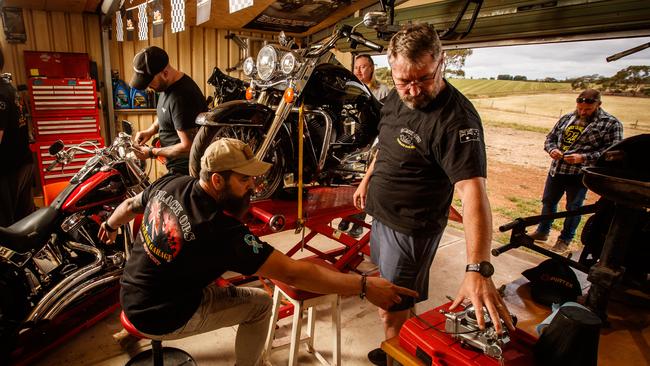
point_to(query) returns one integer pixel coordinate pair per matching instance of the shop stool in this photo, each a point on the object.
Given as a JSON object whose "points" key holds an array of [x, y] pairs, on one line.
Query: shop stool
{"points": [[302, 300], [157, 355]]}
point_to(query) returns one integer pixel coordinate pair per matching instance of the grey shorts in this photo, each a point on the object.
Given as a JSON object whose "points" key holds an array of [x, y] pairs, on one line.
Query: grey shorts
{"points": [[403, 260]]}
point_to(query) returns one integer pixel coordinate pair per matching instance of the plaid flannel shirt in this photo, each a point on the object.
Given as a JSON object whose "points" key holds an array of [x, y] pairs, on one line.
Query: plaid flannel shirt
{"points": [[603, 131]]}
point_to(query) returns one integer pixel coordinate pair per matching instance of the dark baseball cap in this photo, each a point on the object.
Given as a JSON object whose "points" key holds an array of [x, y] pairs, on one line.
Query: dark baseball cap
{"points": [[146, 64], [553, 282]]}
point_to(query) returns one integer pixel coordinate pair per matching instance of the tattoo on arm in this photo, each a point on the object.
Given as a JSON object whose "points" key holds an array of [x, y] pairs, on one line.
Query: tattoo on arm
{"points": [[135, 204]]}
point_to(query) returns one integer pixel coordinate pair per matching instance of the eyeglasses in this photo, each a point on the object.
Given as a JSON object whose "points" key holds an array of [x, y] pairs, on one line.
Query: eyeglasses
{"points": [[586, 100], [419, 83]]}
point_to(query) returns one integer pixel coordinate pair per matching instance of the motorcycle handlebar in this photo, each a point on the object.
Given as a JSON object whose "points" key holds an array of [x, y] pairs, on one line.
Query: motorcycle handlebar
{"points": [[372, 45], [511, 225], [502, 249], [52, 165]]}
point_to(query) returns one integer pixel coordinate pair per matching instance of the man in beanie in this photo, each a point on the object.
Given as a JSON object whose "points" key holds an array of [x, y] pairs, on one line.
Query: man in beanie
{"points": [[179, 104], [191, 235]]}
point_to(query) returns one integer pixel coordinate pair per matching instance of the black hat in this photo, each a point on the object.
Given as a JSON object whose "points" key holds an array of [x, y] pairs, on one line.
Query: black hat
{"points": [[146, 64], [553, 281]]}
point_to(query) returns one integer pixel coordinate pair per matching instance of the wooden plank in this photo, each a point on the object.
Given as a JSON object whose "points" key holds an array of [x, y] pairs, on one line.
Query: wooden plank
{"points": [[41, 31], [127, 61], [77, 37], [94, 41], [170, 40], [233, 56], [60, 32], [198, 57], [222, 50], [210, 41], [184, 51]]}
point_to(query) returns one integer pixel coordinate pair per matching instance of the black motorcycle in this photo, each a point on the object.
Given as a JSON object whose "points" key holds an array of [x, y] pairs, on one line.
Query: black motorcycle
{"points": [[290, 86]]}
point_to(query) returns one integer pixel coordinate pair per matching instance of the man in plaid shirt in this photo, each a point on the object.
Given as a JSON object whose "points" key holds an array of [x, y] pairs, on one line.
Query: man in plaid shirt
{"points": [[577, 140]]}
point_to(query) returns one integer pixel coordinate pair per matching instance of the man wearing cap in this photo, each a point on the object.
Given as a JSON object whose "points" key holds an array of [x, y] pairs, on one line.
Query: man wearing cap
{"points": [[578, 139], [191, 235], [179, 104]]}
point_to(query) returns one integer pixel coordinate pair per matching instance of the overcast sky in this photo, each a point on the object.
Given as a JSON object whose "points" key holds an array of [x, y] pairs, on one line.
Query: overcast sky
{"points": [[557, 60]]}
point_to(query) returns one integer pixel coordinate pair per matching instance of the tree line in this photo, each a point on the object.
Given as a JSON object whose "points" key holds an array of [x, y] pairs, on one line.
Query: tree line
{"points": [[632, 79]]}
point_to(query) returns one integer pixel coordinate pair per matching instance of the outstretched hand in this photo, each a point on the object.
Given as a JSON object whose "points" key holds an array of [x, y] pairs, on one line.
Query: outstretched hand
{"points": [[106, 236], [385, 294], [482, 292]]}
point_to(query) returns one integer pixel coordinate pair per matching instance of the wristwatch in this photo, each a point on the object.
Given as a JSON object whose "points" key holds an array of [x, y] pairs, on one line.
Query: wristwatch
{"points": [[485, 268]]}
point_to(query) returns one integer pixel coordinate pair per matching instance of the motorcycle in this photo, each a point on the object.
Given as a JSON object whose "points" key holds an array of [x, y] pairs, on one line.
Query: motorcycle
{"points": [[52, 260], [290, 86]]}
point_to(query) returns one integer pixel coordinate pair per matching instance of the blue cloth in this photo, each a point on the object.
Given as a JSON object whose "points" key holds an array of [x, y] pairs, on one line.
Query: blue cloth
{"points": [[554, 188]]}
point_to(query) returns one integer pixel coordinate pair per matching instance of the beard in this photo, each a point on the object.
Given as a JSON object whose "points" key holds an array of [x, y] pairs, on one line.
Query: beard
{"points": [[418, 102], [237, 206]]}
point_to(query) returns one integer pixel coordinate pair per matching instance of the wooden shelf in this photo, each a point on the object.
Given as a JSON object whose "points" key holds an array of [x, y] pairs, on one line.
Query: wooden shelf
{"points": [[135, 111]]}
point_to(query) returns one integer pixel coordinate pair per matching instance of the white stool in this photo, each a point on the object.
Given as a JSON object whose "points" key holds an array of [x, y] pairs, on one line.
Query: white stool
{"points": [[302, 300]]}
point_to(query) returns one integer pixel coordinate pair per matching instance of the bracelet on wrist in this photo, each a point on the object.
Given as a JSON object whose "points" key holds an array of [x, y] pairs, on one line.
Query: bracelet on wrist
{"points": [[364, 277], [151, 155], [108, 227]]}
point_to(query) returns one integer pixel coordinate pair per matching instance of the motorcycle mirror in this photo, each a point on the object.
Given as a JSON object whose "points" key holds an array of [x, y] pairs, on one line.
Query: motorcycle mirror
{"points": [[57, 146], [375, 19], [127, 127]]}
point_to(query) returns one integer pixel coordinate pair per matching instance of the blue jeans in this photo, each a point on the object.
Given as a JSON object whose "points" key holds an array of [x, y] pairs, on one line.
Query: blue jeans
{"points": [[554, 188]]}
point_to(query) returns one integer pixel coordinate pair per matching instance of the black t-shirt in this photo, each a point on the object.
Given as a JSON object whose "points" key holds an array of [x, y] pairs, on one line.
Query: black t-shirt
{"points": [[14, 148], [177, 110], [185, 243], [422, 154]]}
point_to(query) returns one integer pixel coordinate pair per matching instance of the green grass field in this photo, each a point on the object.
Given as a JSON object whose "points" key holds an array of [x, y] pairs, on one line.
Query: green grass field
{"points": [[491, 88]]}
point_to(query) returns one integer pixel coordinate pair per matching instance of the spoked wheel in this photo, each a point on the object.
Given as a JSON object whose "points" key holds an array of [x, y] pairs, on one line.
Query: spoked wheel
{"points": [[267, 184]]}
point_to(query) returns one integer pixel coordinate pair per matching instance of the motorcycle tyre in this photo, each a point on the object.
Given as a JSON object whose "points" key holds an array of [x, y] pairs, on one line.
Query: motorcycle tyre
{"points": [[207, 134], [13, 308]]}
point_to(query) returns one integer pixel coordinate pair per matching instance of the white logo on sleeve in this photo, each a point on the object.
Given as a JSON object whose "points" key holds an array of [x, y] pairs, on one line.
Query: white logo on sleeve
{"points": [[470, 134], [164, 109]]}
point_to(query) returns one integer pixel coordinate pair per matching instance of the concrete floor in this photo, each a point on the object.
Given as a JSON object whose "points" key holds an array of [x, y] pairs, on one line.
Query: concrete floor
{"points": [[361, 329]]}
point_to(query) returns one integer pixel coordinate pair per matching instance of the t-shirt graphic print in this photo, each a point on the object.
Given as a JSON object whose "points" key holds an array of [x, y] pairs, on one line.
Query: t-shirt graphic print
{"points": [[165, 228]]}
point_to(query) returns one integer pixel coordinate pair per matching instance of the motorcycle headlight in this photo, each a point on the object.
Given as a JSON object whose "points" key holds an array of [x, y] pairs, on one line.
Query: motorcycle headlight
{"points": [[288, 63], [267, 61], [249, 66]]}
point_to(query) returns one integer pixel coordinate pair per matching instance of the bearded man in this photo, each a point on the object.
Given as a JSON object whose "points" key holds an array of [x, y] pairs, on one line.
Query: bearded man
{"points": [[430, 143], [191, 234], [577, 140]]}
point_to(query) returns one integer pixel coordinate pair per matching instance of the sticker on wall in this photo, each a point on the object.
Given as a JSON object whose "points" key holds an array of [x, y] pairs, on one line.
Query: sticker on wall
{"points": [[130, 25], [157, 15], [178, 16], [237, 5], [143, 22], [203, 11], [119, 27]]}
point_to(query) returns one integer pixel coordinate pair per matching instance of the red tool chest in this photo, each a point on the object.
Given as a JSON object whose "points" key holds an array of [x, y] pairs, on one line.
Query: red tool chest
{"points": [[63, 109], [434, 347]]}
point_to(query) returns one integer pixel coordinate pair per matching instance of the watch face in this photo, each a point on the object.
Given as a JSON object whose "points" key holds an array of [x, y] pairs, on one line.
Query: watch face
{"points": [[486, 269]]}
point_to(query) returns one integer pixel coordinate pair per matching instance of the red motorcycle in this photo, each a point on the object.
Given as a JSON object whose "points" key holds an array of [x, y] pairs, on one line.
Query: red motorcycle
{"points": [[53, 268]]}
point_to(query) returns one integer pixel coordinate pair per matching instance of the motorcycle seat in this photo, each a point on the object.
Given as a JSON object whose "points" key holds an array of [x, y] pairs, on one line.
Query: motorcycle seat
{"points": [[30, 232]]}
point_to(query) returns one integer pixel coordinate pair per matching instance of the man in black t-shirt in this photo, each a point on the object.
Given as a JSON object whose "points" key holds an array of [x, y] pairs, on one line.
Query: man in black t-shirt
{"points": [[16, 162], [190, 235], [179, 104], [430, 142]]}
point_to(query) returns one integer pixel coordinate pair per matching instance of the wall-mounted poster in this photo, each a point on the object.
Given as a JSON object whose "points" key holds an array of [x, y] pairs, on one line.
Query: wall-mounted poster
{"points": [[14, 26], [295, 16]]}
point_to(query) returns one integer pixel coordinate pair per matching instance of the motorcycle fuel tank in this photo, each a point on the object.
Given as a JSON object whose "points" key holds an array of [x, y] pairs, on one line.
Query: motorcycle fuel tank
{"points": [[100, 188], [335, 84]]}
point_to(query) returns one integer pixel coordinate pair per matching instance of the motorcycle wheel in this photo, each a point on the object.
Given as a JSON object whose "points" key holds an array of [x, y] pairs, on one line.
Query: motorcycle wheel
{"points": [[269, 183], [13, 307]]}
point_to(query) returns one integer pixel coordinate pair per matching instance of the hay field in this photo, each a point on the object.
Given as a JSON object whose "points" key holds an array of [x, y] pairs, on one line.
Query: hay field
{"points": [[539, 112], [491, 88]]}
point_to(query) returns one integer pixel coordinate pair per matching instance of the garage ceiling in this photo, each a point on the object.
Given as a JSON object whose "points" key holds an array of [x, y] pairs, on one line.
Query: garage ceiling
{"points": [[499, 22], [509, 22]]}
